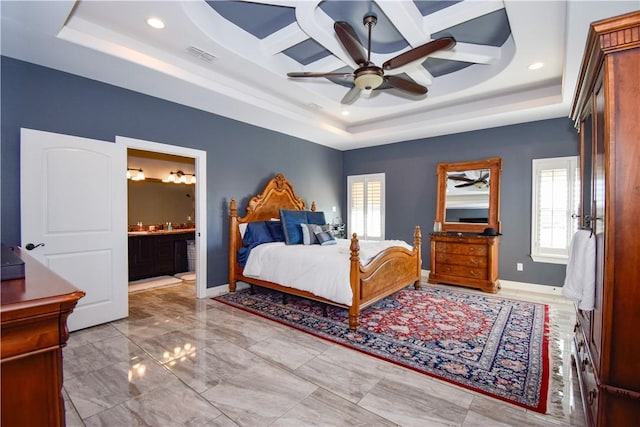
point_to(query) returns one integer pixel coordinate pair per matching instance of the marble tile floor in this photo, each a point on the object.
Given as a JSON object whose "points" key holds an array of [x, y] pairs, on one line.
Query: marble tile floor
{"points": [[180, 361]]}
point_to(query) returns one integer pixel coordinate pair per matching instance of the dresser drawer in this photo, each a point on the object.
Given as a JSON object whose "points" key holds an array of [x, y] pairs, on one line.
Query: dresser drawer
{"points": [[586, 377], [461, 248], [479, 273], [466, 260]]}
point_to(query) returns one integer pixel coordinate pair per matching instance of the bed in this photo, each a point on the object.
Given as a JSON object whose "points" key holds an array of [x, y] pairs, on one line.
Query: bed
{"points": [[381, 275]]}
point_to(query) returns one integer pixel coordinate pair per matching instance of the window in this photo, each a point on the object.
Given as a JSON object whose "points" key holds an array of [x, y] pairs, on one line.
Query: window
{"points": [[556, 195], [365, 194]]}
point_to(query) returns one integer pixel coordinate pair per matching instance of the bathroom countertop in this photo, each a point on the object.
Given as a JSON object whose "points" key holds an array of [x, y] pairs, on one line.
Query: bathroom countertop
{"points": [[157, 232]]}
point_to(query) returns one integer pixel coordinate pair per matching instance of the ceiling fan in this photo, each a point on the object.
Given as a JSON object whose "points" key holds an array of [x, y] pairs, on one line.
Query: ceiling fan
{"points": [[369, 76], [479, 182]]}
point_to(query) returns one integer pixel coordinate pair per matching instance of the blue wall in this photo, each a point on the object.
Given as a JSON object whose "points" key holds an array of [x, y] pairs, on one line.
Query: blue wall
{"points": [[240, 158], [411, 184]]}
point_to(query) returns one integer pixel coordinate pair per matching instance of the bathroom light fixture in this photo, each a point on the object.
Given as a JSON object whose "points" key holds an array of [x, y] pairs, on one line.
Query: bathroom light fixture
{"points": [[137, 176], [179, 177]]}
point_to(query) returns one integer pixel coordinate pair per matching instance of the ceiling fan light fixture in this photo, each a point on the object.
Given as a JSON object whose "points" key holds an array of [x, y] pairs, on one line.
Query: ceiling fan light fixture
{"points": [[369, 78]]}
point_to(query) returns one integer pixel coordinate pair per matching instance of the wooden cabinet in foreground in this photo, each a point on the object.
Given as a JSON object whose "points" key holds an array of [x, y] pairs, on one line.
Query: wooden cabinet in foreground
{"points": [[33, 331], [606, 112]]}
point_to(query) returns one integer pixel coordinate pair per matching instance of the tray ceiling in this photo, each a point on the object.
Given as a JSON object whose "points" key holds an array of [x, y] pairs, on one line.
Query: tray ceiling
{"points": [[231, 58]]}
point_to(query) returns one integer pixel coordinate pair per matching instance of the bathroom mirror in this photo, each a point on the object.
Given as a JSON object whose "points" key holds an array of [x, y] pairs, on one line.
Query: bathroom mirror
{"points": [[469, 195]]}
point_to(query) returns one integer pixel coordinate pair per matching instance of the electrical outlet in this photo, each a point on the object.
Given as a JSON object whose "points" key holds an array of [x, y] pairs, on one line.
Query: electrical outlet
{"points": [[519, 266]]}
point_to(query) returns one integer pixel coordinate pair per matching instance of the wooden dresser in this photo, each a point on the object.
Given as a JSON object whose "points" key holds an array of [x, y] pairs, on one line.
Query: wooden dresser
{"points": [[606, 111], [34, 315], [465, 259]]}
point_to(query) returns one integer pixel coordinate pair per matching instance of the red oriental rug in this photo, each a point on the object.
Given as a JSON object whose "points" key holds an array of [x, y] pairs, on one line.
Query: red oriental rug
{"points": [[495, 346]]}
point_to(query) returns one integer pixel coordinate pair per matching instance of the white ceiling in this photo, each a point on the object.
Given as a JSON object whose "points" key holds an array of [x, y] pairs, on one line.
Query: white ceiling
{"points": [[110, 42]]}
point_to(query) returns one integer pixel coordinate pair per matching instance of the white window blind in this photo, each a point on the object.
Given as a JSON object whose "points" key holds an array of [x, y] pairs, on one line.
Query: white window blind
{"points": [[365, 194], [555, 199]]}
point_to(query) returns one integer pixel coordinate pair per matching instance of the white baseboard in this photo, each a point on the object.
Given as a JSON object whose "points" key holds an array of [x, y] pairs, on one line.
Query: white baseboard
{"points": [[505, 284], [518, 286], [531, 287], [223, 289]]}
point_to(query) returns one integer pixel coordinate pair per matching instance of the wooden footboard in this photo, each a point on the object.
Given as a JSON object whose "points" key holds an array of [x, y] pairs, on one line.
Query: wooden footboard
{"points": [[389, 271]]}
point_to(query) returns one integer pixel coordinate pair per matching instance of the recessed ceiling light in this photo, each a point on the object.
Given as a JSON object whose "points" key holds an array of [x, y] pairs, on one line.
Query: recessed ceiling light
{"points": [[345, 113], [155, 23], [536, 65]]}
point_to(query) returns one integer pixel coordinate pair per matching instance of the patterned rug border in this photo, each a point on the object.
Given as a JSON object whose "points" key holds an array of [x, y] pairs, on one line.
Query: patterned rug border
{"points": [[544, 404]]}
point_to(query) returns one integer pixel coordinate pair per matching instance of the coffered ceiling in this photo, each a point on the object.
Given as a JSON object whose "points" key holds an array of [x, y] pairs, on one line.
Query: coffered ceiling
{"points": [[231, 58]]}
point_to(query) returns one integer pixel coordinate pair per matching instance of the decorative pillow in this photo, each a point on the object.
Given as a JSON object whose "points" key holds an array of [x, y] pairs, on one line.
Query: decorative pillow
{"points": [[275, 228], [291, 221], [315, 218], [257, 233], [308, 233], [325, 238]]}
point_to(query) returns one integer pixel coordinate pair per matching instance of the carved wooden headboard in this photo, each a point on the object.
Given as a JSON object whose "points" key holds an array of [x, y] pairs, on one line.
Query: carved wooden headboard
{"points": [[277, 194]]}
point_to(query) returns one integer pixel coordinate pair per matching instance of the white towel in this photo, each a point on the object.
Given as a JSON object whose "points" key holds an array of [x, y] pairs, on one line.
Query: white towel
{"points": [[580, 280]]}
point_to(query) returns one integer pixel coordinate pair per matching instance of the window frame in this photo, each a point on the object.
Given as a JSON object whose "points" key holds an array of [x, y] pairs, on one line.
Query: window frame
{"points": [[571, 163], [365, 178]]}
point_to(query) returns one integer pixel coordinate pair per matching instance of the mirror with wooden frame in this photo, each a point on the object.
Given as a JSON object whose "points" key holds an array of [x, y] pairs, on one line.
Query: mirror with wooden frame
{"points": [[469, 195]]}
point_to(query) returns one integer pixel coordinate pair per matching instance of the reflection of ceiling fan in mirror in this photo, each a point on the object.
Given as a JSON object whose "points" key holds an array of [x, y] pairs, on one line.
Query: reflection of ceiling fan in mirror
{"points": [[478, 179], [369, 76]]}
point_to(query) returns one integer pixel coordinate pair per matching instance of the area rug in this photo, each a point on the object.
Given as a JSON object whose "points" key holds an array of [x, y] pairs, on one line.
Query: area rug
{"points": [[495, 346]]}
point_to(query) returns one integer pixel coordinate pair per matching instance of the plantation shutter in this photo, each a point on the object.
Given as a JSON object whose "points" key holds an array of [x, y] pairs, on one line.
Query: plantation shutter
{"points": [[555, 199], [357, 208], [366, 206], [374, 207]]}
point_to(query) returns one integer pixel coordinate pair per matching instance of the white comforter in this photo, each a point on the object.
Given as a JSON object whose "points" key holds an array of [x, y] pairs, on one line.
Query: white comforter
{"points": [[321, 270]]}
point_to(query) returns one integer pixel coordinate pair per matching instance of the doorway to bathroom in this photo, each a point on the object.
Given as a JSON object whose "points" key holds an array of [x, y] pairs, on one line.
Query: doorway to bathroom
{"points": [[166, 215]]}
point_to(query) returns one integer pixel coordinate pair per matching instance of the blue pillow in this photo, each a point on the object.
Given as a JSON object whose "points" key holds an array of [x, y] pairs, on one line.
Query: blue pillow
{"points": [[325, 238], [275, 228], [315, 218], [257, 233], [291, 221]]}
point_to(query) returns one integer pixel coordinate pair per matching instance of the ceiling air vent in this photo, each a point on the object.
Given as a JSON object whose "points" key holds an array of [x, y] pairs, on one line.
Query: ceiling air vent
{"points": [[201, 54]]}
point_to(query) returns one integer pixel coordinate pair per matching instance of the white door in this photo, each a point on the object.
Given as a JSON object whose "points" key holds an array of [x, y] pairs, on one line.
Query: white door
{"points": [[73, 199]]}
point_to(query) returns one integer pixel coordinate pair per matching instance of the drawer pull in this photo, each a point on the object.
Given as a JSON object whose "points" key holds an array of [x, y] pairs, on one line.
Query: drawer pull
{"points": [[473, 273], [591, 397], [474, 261]]}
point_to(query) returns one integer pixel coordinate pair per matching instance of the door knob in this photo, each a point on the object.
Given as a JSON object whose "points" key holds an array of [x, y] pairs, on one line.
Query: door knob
{"points": [[31, 246]]}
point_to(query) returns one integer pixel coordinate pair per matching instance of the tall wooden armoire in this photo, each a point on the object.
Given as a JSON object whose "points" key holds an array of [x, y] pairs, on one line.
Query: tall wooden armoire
{"points": [[606, 111]]}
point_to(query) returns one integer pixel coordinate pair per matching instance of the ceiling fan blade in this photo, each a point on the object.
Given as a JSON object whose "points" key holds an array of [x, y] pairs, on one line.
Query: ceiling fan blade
{"points": [[406, 85], [349, 40], [351, 96], [419, 52], [312, 74], [468, 184], [461, 178]]}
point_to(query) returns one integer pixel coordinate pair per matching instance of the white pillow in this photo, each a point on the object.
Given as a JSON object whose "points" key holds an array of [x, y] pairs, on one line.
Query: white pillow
{"points": [[243, 227]]}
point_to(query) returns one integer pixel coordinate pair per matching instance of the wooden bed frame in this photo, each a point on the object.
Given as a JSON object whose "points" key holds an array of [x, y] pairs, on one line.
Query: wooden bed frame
{"points": [[389, 271]]}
